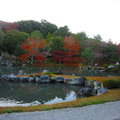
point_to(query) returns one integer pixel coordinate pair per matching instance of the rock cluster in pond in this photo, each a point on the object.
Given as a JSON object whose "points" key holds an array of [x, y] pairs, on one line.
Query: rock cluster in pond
{"points": [[87, 88]]}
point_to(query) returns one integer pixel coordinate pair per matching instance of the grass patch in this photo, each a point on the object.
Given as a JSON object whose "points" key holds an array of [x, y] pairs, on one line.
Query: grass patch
{"points": [[112, 95], [110, 83], [94, 102], [13, 110], [102, 79]]}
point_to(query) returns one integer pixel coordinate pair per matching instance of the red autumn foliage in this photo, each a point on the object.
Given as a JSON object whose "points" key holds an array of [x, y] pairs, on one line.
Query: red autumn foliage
{"points": [[33, 47], [40, 58], [24, 57], [70, 55], [72, 45]]}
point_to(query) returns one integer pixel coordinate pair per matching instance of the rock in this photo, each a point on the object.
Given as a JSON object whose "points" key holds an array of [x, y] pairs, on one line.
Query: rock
{"points": [[44, 79], [31, 79], [5, 77], [97, 85], [92, 84], [86, 91], [89, 84], [59, 79], [76, 81], [52, 80], [37, 79], [24, 79], [12, 78], [21, 72], [45, 71], [101, 91]]}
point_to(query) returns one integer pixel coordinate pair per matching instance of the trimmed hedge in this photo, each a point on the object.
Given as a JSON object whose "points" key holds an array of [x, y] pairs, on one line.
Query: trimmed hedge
{"points": [[110, 83]]}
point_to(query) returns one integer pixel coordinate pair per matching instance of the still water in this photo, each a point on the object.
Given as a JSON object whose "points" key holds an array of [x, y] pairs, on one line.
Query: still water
{"points": [[25, 94]]}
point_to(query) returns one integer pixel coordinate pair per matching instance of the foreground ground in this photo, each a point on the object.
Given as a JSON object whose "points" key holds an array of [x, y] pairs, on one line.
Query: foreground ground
{"points": [[107, 111]]}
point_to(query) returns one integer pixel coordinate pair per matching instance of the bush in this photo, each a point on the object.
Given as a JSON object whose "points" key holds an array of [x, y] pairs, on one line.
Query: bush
{"points": [[110, 83]]}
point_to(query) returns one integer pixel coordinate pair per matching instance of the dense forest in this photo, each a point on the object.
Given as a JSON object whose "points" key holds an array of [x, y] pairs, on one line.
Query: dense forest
{"points": [[44, 42]]}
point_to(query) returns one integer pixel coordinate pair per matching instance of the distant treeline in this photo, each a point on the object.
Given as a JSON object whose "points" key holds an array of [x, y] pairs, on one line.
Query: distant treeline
{"points": [[60, 42]]}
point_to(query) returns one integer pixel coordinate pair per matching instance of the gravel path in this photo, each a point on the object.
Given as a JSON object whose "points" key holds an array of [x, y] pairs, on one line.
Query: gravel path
{"points": [[107, 111]]}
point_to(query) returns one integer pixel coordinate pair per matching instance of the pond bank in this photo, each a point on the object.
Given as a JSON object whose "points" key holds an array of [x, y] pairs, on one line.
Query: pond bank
{"points": [[107, 111]]}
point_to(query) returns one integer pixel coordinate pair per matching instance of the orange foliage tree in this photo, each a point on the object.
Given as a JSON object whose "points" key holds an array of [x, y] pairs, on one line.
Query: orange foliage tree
{"points": [[34, 50]]}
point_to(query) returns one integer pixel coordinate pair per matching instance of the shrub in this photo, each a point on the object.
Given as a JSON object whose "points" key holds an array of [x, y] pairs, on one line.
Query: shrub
{"points": [[110, 83]]}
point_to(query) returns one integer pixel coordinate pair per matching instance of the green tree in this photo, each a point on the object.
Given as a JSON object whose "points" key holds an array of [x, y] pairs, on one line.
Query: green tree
{"points": [[36, 35], [82, 37], [12, 42], [88, 55], [29, 26], [44, 27], [98, 37], [47, 28], [62, 31], [55, 43], [1, 38], [111, 53]]}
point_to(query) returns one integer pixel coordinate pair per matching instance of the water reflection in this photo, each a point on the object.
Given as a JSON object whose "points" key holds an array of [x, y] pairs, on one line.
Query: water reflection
{"points": [[12, 94]]}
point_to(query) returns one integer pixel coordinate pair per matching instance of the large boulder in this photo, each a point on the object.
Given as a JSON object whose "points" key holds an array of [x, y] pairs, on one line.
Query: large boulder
{"points": [[76, 81], [93, 84], [87, 91], [44, 79]]}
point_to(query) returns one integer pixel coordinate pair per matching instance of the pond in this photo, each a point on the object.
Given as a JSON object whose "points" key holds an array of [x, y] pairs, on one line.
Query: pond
{"points": [[25, 94]]}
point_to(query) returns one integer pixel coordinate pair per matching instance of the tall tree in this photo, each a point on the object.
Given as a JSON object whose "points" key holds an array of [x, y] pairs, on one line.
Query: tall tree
{"points": [[29, 26], [55, 43], [118, 51], [12, 41], [63, 31], [1, 37], [47, 27], [44, 27], [111, 51], [88, 55]]}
